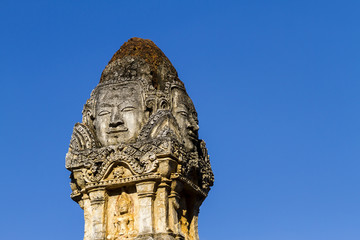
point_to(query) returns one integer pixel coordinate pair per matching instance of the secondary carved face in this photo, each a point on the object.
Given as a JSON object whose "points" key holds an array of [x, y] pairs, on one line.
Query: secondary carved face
{"points": [[185, 114], [123, 207], [119, 114]]}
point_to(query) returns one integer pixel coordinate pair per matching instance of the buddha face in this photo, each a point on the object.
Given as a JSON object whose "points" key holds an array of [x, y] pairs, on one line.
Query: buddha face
{"points": [[119, 114], [184, 112], [123, 208]]}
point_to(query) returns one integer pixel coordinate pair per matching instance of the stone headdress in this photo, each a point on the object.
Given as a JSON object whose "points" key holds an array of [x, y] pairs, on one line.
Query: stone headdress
{"points": [[141, 62]]}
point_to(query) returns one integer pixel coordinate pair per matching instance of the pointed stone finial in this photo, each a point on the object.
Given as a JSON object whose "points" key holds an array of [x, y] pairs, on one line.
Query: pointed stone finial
{"points": [[160, 67]]}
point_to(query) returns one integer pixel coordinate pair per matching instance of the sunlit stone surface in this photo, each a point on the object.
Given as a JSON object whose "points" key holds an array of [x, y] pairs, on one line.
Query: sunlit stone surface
{"points": [[138, 168]]}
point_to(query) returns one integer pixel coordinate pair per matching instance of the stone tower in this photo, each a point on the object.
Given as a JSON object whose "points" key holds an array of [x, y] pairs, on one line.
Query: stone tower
{"points": [[138, 168]]}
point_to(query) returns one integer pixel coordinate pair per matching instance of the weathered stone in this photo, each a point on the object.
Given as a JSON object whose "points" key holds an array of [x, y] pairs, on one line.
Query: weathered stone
{"points": [[138, 168]]}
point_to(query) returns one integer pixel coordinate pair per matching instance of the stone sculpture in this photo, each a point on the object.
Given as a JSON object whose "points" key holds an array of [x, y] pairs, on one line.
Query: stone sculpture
{"points": [[138, 168]]}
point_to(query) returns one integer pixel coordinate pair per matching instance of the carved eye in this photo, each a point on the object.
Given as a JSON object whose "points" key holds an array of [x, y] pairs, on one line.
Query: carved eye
{"points": [[196, 118], [103, 112], [183, 113], [128, 109]]}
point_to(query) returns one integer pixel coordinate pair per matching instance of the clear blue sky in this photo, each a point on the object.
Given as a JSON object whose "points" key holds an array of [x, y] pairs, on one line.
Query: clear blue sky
{"points": [[275, 83]]}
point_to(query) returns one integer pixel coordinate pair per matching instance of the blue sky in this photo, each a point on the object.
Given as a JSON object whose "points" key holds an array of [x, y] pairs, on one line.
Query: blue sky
{"points": [[275, 83]]}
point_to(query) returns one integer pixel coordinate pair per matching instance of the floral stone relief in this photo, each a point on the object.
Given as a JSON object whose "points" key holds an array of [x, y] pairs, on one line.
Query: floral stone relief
{"points": [[138, 167]]}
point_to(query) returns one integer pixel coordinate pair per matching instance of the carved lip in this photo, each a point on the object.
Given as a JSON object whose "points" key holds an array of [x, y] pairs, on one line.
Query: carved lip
{"points": [[117, 130], [193, 135]]}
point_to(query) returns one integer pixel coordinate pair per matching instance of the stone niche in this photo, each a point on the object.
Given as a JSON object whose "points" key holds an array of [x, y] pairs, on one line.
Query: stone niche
{"points": [[138, 168]]}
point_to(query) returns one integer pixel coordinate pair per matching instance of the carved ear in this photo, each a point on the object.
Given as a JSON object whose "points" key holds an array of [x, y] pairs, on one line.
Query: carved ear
{"points": [[163, 104], [88, 118], [149, 105], [88, 113]]}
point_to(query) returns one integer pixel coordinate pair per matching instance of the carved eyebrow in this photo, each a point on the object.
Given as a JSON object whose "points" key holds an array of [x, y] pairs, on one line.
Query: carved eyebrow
{"points": [[105, 105], [181, 105]]}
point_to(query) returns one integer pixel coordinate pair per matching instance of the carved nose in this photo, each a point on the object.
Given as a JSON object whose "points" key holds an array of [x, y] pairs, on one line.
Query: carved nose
{"points": [[192, 125], [194, 128], [116, 123], [116, 119]]}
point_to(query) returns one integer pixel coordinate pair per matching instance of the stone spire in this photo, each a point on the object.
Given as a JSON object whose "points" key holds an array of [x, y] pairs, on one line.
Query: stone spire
{"points": [[138, 168], [161, 69]]}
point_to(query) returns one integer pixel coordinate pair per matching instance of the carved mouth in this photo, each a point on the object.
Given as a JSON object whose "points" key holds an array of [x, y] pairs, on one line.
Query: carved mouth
{"points": [[117, 130], [193, 135]]}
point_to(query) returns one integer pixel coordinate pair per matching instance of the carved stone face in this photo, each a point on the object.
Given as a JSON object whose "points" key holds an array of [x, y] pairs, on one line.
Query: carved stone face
{"points": [[184, 112], [123, 208], [119, 114]]}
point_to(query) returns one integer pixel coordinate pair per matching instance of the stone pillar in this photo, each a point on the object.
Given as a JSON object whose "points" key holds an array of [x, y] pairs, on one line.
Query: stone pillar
{"points": [[194, 232], [162, 207], [146, 195], [97, 202], [174, 206], [87, 218]]}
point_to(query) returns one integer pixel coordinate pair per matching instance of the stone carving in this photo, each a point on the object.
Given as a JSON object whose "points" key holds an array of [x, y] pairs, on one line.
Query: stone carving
{"points": [[138, 143], [119, 114], [123, 219], [185, 114], [119, 172]]}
